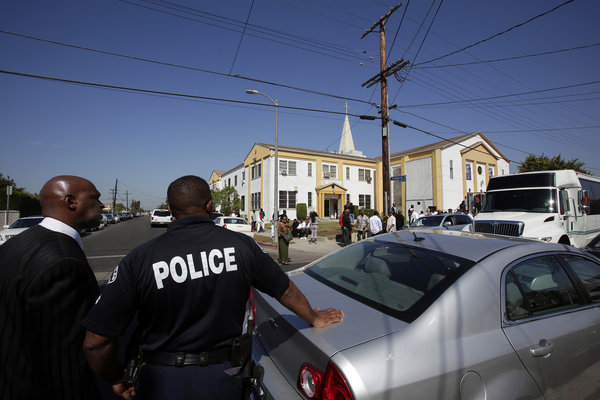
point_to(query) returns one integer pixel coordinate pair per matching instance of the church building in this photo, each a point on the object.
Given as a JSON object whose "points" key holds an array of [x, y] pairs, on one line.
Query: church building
{"points": [[436, 176]]}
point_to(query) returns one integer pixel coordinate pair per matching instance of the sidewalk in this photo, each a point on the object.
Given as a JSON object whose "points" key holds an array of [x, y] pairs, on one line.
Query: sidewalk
{"points": [[322, 247]]}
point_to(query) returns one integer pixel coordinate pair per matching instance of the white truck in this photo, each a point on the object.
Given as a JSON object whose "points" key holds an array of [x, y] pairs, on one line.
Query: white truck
{"points": [[560, 206]]}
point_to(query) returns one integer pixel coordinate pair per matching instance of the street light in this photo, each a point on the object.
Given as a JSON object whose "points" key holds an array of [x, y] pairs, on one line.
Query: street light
{"points": [[276, 181]]}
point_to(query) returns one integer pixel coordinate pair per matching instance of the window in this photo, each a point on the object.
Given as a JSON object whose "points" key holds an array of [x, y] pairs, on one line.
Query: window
{"points": [[235, 180], [243, 176], [364, 201], [589, 273], [329, 171], [364, 174], [229, 182], [348, 198], [243, 207], [255, 201], [538, 286], [309, 172], [287, 199], [256, 171], [309, 202], [287, 167], [348, 173], [451, 169]]}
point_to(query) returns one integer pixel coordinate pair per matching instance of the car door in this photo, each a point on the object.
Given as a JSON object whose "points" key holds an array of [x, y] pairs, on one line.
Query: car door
{"points": [[553, 326]]}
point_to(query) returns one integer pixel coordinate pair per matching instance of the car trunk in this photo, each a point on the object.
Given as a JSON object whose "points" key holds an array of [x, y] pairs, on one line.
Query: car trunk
{"points": [[291, 342]]}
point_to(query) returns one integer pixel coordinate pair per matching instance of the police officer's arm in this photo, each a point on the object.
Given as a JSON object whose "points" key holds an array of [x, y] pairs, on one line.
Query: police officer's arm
{"points": [[101, 354], [295, 300]]}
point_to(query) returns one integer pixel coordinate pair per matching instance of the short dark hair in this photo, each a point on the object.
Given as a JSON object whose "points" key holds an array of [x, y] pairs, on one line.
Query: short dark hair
{"points": [[188, 195]]}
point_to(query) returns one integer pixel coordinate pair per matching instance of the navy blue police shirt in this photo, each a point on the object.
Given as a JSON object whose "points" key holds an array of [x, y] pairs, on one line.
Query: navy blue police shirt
{"points": [[189, 285]]}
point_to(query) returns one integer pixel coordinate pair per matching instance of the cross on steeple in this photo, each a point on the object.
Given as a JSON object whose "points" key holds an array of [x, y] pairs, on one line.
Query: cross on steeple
{"points": [[346, 107]]}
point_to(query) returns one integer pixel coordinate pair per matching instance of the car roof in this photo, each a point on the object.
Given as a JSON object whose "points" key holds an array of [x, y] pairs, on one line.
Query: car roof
{"points": [[32, 217], [471, 246]]}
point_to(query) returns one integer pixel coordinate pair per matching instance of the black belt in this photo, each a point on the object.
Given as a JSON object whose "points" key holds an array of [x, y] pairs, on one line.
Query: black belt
{"points": [[179, 359]]}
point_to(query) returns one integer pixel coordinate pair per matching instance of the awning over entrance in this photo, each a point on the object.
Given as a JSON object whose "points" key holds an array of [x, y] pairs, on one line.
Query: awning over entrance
{"points": [[330, 200]]}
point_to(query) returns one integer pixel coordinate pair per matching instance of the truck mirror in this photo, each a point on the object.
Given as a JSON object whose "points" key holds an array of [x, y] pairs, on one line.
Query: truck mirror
{"points": [[584, 201]]}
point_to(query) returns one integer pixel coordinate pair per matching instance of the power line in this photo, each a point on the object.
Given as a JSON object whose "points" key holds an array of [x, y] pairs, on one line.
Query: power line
{"points": [[508, 58], [241, 37], [184, 67], [497, 34], [501, 96], [173, 94]]}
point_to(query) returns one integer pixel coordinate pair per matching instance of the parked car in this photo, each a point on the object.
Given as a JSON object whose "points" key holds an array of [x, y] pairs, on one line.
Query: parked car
{"points": [[18, 226], [431, 315], [216, 214], [234, 224], [593, 246], [160, 217], [454, 222]]}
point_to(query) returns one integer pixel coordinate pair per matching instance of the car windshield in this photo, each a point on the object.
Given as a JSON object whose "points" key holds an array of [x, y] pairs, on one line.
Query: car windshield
{"points": [[525, 200], [25, 223], [162, 213], [391, 277], [434, 220]]}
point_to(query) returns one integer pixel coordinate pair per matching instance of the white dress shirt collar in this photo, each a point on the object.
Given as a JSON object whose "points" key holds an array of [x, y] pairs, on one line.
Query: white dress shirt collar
{"points": [[60, 227]]}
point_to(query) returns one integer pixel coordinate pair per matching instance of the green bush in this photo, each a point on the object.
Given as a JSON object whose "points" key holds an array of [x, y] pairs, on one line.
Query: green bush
{"points": [[301, 211], [368, 212]]}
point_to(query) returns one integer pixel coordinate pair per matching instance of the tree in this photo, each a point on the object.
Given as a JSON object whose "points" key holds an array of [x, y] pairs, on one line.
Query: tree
{"points": [[223, 199], [27, 203], [135, 206], [545, 163]]}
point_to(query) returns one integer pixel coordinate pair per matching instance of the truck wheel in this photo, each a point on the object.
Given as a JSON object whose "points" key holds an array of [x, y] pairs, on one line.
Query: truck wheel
{"points": [[564, 240]]}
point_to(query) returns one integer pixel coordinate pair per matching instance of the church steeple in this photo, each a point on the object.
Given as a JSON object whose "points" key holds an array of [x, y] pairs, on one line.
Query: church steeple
{"points": [[346, 142]]}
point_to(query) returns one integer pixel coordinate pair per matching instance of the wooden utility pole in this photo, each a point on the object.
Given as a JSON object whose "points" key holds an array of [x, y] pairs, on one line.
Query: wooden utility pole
{"points": [[382, 77], [115, 196]]}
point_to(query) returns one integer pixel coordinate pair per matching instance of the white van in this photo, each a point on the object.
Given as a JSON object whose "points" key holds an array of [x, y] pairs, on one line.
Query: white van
{"points": [[554, 206]]}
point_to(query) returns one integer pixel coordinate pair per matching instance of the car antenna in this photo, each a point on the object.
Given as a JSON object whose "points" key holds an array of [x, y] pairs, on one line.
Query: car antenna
{"points": [[418, 238]]}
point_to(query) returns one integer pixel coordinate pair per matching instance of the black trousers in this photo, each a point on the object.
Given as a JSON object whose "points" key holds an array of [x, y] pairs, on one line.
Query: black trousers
{"points": [[346, 236], [159, 382]]}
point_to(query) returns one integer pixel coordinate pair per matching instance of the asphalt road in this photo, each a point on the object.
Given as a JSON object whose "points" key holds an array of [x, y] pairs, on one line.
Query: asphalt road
{"points": [[104, 249]]}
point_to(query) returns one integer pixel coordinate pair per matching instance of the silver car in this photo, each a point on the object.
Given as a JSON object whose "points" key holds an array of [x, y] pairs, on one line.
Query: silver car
{"points": [[455, 222], [438, 315], [19, 226]]}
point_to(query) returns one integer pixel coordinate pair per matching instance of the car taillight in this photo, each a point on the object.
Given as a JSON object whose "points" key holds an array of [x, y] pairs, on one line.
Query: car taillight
{"points": [[334, 385], [225, 226], [309, 381], [315, 386]]}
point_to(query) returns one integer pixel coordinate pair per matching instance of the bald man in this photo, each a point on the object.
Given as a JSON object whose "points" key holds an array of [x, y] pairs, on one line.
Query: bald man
{"points": [[46, 288]]}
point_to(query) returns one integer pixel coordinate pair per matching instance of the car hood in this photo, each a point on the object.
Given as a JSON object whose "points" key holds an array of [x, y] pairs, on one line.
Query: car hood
{"points": [[290, 341]]}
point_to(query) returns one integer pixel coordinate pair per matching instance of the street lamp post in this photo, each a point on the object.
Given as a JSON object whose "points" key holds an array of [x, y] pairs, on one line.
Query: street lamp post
{"points": [[276, 180]]}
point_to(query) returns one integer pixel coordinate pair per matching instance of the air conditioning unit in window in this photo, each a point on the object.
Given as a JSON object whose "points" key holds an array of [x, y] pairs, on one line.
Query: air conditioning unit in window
{"points": [[368, 179], [326, 175], [283, 173]]}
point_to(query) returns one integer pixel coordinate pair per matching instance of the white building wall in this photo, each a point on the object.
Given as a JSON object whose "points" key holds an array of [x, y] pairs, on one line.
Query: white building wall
{"points": [[356, 187], [452, 186], [419, 184]]}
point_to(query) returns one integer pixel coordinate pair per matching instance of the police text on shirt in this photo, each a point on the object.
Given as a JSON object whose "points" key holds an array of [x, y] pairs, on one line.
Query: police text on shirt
{"points": [[215, 262]]}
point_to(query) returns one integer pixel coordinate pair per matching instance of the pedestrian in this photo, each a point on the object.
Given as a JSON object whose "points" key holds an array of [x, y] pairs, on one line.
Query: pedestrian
{"points": [[314, 227], [399, 221], [283, 228], [346, 228], [391, 222], [362, 223], [189, 288], [375, 223], [46, 289], [261, 220]]}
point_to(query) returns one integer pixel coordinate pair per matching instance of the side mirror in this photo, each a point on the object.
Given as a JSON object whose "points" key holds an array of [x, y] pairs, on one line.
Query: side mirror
{"points": [[5, 226], [584, 201]]}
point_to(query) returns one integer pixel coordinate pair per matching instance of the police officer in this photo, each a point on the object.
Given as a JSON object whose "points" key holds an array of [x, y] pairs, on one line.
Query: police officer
{"points": [[189, 287]]}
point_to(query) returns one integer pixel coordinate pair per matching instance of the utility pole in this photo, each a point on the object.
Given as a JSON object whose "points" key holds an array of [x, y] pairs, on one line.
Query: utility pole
{"points": [[127, 200], [115, 196], [382, 77]]}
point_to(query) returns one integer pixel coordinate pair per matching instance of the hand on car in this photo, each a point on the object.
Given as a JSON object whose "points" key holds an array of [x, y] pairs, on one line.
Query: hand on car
{"points": [[327, 317]]}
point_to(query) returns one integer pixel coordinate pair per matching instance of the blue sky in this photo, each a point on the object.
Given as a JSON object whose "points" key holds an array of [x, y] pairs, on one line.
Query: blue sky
{"points": [[145, 141]]}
